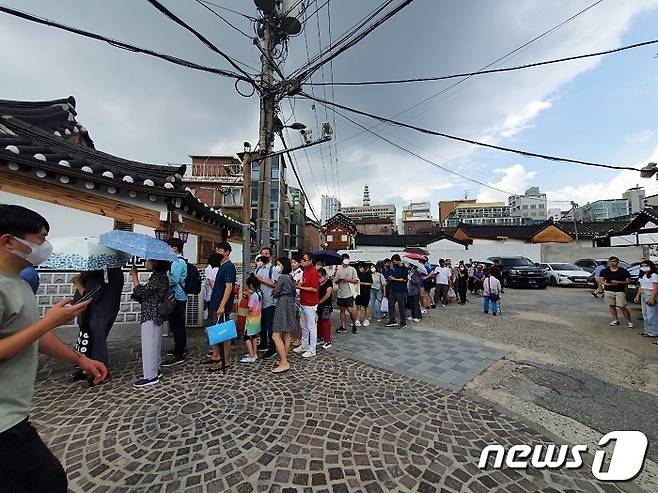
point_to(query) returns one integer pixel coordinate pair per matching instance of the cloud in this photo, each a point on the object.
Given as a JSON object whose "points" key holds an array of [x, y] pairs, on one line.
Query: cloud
{"points": [[641, 137], [516, 122], [515, 179]]}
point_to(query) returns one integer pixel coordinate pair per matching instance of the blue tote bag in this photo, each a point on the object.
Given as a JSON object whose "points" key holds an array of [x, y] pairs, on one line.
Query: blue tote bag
{"points": [[224, 331]]}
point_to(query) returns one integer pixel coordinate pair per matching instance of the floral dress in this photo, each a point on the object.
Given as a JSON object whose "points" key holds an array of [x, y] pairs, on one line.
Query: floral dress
{"points": [[149, 295]]}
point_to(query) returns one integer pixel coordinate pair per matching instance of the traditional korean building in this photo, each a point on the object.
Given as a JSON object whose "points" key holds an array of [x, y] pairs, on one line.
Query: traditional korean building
{"points": [[48, 163], [340, 232]]}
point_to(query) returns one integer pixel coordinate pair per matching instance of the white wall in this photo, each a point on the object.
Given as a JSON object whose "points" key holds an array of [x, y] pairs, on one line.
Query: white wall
{"points": [[570, 252]]}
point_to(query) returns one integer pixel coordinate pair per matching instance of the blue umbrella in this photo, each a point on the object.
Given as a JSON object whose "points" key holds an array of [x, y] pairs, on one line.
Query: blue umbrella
{"points": [[328, 257], [142, 246], [83, 253]]}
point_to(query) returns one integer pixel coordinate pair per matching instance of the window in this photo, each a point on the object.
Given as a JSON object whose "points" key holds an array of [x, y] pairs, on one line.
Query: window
{"points": [[330, 238], [343, 238], [121, 226]]}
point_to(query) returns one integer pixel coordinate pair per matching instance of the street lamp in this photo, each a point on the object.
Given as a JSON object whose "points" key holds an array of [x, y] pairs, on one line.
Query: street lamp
{"points": [[278, 125], [183, 235], [161, 234]]}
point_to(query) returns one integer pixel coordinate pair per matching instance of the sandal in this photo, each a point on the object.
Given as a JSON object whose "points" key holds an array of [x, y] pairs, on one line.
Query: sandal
{"points": [[280, 370], [644, 334]]}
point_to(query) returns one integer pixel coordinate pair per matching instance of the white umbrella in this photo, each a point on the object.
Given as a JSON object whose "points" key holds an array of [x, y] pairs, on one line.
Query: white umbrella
{"points": [[415, 263], [83, 253]]}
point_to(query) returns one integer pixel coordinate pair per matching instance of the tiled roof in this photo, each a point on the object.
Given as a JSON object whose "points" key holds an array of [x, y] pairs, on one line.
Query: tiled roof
{"points": [[57, 116], [591, 229], [525, 232], [342, 220], [39, 147], [402, 240], [649, 214]]}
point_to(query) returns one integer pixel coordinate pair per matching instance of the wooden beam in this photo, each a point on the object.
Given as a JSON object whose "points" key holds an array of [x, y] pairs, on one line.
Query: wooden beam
{"points": [[53, 193], [205, 230]]}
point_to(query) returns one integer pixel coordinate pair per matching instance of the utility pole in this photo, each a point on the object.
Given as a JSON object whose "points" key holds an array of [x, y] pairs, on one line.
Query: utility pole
{"points": [[246, 212], [574, 206], [266, 134]]}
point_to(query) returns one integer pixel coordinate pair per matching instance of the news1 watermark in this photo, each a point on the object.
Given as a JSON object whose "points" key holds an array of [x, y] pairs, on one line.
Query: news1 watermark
{"points": [[623, 463]]}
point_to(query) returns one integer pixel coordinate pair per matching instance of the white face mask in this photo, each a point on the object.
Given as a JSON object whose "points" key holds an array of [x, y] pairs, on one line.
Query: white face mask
{"points": [[279, 268], [346, 261], [645, 269], [39, 253], [373, 270], [259, 264]]}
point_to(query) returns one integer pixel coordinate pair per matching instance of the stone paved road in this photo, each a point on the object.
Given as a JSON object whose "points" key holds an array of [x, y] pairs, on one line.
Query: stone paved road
{"points": [[331, 424], [432, 358]]}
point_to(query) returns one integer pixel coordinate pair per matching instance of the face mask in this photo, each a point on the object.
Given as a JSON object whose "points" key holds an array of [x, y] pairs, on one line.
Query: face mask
{"points": [[645, 269], [346, 261], [373, 270], [279, 268], [265, 259], [38, 254]]}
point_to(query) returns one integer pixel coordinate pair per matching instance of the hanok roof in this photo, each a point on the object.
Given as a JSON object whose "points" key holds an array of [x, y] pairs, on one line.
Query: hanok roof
{"points": [[341, 220], [403, 240], [648, 215], [34, 139], [591, 229], [525, 232]]}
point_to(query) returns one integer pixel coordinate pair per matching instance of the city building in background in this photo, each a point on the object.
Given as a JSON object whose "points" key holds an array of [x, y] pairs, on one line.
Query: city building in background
{"points": [[417, 210], [446, 207], [374, 225], [635, 197], [297, 221], [532, 205], [314, 238], [555, 213], [483, 213], [216, 181], [367, 210], [341, 232], [601, 210], [330, 207]]}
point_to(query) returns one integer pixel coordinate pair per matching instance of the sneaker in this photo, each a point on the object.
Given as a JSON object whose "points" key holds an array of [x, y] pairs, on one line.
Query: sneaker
{"points": [[159, 372], [417, 320], [358, 323], [366, 322], [341, 330], [171, 353], [403, 326], [631, 325], [299, 349], [145, 382], [423, 311], [269, 354], [309, 354], [486, 311], [392, 324], [173, 361], [378, 320], [248, 359], [614, 322], [326, 345], [443, 306], [410, 318], [353, 329], [593, 293]]}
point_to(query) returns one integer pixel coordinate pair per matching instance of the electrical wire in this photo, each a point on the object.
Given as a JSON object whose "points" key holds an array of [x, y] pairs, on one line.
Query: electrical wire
{"points": [[469, 141], [354, 41], [203, 39], [226, 21], [230, 10], [122, 45], [333, 98], [491, 71], [447, 170], [307, 17]]}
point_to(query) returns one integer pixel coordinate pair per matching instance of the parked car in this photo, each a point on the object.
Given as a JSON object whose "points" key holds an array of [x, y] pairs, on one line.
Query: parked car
{"points": [[563, 274], [521, 271], [589, 264]]}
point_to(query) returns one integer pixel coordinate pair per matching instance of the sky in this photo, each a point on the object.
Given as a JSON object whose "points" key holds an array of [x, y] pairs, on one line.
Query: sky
{"points": [[600, 109]]}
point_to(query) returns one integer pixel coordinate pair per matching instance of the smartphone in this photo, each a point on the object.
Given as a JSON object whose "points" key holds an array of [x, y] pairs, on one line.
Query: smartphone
{"points": [[87, 295]]}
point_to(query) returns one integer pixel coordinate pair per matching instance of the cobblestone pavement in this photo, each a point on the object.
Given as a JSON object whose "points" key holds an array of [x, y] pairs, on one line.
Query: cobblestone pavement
{"points": [[330, 424], [433, 358]]}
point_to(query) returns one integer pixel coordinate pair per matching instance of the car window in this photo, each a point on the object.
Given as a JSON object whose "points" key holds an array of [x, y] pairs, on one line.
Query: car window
{"points": [[518, 262], [545, 266], [565, 267]]}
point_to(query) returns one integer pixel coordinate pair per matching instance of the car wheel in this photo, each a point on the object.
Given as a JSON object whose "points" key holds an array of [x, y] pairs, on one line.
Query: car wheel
{"points": [[553, 282], [505, 282]]}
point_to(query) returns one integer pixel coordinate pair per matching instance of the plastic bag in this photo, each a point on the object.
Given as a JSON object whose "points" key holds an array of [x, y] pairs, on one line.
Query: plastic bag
{"points": [[384, 307], [451, 295]]}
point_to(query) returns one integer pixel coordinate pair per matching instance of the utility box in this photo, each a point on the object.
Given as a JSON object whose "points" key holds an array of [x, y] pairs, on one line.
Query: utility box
{"points": [[291, 12]]}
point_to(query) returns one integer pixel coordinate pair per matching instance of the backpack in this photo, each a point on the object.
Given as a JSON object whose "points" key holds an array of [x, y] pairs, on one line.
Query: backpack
{"points": [[167, 304], [192, 283]]}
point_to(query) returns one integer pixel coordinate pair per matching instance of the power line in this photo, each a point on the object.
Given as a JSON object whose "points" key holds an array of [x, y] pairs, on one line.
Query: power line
{"points": [[448, 170], [492, 71], [203, 39], [226, 21], [333, 98], [358, 38], [494, 62], [230, 10], [470, 141], [122, 45], [307, 17]]}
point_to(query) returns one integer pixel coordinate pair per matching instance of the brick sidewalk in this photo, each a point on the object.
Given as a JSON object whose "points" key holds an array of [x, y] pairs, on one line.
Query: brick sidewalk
{"points": [[331, 424]]}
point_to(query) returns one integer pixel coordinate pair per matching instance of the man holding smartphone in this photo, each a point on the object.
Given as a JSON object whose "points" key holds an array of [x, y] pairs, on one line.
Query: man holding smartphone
{"points": [[27, 464]]}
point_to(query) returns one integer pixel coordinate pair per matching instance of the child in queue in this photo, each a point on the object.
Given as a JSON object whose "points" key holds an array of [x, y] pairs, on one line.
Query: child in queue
{"points": [[252, 325]]}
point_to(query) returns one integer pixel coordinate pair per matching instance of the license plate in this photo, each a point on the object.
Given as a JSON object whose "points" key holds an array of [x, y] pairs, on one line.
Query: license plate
{"points": [[531, 281]]}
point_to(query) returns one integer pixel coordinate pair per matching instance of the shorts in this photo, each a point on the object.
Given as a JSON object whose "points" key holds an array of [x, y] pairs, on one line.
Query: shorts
{"points": [[362, 300], [247, 337], [615, 298], [345, 302]]}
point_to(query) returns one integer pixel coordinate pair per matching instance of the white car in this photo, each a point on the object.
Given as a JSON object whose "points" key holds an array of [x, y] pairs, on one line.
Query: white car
{"points": [[562, 274]]}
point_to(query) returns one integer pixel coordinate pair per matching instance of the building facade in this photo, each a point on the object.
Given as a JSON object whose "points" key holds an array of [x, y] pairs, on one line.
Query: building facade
{"points": [[555, 213], [635, 197], [480, 213], [374, 226], [368, 210], [532, 204], [448, 206], [340, 232], [602, 210], [330, 207], [417, 210], [415, 226], [314, 238], [297, 221], [216, 181]]}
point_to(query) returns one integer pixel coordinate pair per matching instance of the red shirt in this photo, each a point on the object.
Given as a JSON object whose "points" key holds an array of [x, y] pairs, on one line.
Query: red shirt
{"points": [[310, 279]]}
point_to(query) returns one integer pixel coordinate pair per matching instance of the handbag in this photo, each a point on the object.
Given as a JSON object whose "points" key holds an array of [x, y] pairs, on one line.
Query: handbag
{"points": [[221, 332], [384, 307], [325, 312], [167, 304], [495, 297]]}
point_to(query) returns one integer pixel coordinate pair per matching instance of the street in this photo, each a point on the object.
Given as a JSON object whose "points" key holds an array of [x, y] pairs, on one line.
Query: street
{"points": [[383, 410]]}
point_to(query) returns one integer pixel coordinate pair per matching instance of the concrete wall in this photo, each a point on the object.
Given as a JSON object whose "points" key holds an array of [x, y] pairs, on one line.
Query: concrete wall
{"points": [[570, 252]]}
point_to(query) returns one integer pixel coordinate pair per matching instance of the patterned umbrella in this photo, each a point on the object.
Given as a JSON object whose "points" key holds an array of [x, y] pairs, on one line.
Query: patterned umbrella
{"points": [[143, 246], [83, 253], [415, 263]]}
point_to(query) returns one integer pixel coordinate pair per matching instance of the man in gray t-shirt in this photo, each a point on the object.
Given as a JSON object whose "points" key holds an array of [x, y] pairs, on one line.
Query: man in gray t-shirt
{"points": [[267, 274], [345, 278]]}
